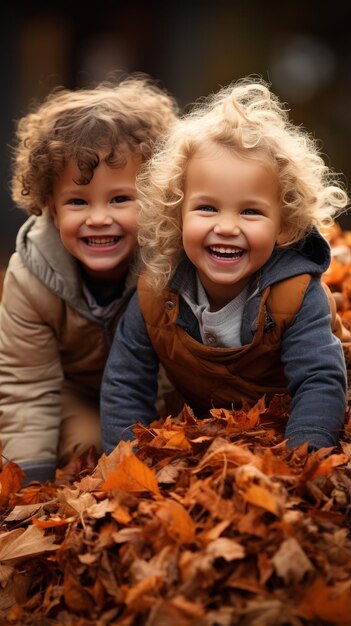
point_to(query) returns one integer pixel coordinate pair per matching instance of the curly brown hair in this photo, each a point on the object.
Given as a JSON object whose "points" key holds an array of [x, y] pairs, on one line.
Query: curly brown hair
{"points": [[113, 118]]}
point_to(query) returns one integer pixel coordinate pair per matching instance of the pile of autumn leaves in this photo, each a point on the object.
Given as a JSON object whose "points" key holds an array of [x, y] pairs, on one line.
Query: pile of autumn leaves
{"points": [[197, 523]]}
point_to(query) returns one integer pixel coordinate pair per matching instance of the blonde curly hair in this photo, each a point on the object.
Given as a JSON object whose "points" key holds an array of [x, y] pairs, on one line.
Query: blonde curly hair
{"points": [[126, 115], [248, 119]]}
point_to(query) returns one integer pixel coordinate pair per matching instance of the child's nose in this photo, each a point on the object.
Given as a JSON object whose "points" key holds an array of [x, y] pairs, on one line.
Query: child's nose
{"points": [[98, 216], [227, 225]]}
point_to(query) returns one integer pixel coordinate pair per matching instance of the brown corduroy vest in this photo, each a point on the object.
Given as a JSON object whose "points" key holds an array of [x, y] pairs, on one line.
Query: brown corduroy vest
{"points": [[224, 377]]}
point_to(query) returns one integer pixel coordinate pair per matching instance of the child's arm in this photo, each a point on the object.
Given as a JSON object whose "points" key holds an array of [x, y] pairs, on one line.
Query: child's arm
{"points": [[30, 375], [316, 373], [129, 384]]}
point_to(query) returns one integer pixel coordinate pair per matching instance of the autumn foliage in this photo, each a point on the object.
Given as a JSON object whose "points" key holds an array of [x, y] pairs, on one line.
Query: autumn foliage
{"points": [[211, 522]]}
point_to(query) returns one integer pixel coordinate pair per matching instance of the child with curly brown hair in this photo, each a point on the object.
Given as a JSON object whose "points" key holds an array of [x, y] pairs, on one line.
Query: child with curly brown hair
{"points": [[231, 300], [75, 163]]}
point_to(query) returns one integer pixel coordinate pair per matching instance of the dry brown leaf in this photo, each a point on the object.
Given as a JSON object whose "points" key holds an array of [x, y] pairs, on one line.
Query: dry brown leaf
{"points": [[143, 594], [272, 465], [11, 480], [121, 515], [291, 562], [6, 572], [76, 596], [108, 463], [159, 565], [74, 501], [127, 535], [227, 549], [325, 467], [331, 603], [259, 496], [169, 473], [97, 510], [214, 532], [19, 543], [7, 596], [221, 452], [24, 511], [176, 520]]}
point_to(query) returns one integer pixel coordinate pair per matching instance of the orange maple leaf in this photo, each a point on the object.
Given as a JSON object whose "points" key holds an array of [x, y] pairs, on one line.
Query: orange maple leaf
{"points": [[176, 439], [131, 475]]}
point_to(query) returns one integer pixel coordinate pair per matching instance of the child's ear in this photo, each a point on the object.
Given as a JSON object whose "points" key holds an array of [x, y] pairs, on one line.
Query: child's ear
{"points": [[52, 210]]}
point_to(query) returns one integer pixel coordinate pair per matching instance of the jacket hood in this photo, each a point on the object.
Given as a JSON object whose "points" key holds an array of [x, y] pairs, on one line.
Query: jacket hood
{"points": [[311, 255], [39, 245]]}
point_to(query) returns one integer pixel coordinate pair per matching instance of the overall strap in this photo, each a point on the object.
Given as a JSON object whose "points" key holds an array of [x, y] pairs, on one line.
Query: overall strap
{"points": [[285, 298]]}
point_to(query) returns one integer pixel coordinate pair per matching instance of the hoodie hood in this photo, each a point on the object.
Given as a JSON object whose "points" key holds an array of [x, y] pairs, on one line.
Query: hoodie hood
{"points": [[39, 245], [311, 255]]}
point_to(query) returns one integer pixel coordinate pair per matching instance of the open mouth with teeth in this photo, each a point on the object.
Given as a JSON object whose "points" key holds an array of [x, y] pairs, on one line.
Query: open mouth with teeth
{"points": [[226, 252], [101, 241]]}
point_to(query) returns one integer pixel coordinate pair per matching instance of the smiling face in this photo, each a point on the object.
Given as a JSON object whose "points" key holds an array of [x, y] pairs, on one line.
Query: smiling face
{"points": [[232, 219], [98, 221]]}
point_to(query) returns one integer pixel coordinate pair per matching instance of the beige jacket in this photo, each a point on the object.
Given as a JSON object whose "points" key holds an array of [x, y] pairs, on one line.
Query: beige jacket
{"points": [[52, 347]]}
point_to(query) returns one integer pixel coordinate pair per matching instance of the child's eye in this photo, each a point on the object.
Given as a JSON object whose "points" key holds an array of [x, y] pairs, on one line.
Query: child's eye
{"points": [[120, 199], [76, 201], [207, 208], [251, 212]]}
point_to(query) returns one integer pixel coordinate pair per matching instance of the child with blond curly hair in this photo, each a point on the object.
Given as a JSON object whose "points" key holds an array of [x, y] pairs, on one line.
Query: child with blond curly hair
{"points": [[76, 158], [231, 301]]}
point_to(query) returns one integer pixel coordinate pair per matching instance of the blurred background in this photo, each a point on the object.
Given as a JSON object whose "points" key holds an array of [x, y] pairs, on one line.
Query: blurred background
{"points": [[192, 48]]}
